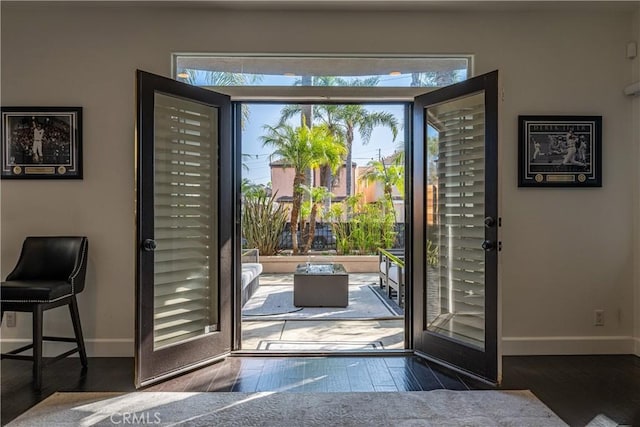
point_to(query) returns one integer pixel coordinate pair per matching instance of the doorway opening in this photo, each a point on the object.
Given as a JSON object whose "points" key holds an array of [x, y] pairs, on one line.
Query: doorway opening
{"points": [[322, 200]]}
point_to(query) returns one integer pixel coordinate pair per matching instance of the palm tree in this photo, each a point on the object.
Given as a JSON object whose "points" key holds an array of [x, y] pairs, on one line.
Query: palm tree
{"points": [[433, 150], [434, 78], [391, 175], [344, 120], [316, 196], [249, 189], [245, 166], [303, 148], [223, 78]]}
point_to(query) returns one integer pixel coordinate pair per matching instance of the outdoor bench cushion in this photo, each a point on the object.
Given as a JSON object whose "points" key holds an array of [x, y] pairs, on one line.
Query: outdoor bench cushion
{"points": [[250, 270], [383, 267], [393, 273]]}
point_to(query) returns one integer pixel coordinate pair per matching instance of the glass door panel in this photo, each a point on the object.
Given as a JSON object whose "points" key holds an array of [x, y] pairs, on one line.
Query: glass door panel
{"points": [[455, 159], [185, 214]]}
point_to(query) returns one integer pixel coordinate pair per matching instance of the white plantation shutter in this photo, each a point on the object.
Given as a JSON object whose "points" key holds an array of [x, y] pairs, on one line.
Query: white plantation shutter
{"points": [[459, 221], [185, 205]]}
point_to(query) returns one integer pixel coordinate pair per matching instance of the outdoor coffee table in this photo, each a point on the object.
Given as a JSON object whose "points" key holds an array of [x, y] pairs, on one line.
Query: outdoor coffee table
{"points": [[320, 285]]}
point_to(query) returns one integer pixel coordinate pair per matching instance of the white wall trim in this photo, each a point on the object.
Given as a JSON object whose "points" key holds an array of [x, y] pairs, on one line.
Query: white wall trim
{"points": [[530, 346], [96, 347], [636, 349]]}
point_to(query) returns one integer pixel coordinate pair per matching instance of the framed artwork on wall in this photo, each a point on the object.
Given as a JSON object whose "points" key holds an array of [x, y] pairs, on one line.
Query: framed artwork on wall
{"points": [[560, 151], [41, 142]]}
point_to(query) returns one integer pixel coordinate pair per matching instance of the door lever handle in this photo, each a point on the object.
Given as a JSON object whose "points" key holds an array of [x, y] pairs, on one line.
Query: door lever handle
{"points": [[149, 245], [488, 245]]}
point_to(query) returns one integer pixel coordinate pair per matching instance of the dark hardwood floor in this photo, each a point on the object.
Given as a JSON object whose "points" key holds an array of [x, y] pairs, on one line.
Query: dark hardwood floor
{"points": [[577, 388]]}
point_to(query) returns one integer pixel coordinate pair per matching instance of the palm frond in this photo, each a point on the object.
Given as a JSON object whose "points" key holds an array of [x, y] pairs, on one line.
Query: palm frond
{"points": [[289, 111]]}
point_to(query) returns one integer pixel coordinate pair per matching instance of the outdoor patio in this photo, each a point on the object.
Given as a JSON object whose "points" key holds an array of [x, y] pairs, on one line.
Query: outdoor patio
{"points": [[371, 321]]}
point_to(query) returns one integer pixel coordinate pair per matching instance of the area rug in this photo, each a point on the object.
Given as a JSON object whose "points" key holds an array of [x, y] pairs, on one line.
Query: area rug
{"points": [[427, 408], [601, 420], [275, 302], [382, 294]]}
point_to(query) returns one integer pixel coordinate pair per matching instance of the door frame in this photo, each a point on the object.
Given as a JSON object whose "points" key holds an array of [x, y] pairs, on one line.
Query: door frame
{"points": [[237, 152]]}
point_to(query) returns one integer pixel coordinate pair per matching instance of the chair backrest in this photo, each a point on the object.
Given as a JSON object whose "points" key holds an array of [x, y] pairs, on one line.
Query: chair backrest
{"points": [[53, 258]]}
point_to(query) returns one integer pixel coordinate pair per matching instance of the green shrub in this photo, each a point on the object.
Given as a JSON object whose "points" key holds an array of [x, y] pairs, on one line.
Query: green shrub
{"points": [[262, 222], [369, 227]]}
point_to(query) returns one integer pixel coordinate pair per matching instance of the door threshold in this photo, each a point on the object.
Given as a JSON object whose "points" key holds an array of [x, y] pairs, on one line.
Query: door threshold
{"points": [[457, 369], [315, 353]]}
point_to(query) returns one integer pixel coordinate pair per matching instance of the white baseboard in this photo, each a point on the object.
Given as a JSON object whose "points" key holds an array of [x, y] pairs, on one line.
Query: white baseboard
{"points": [[97, 347], [532, 346], [636, 342]]}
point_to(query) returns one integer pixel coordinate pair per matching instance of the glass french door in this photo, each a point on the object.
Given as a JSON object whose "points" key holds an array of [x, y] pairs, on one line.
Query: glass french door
{"points": [[455, 226], [184, 275]]}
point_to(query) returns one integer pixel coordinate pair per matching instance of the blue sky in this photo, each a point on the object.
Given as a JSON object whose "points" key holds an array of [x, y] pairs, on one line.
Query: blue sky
{"points": [[261, 114], [381, 142]]}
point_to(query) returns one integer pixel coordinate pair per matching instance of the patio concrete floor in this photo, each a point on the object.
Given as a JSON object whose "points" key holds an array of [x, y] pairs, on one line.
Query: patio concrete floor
{"points": [[306, 334]]}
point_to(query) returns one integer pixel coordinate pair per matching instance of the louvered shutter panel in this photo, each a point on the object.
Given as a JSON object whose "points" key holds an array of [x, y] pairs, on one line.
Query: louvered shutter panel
{"points": [[458, 228], [185, 202]]}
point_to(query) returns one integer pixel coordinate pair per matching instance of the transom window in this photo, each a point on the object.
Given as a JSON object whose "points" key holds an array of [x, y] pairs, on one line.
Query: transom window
{"points": [[322, 70]]}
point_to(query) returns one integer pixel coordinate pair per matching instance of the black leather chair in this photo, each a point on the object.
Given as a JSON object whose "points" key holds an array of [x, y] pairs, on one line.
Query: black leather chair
{"points": [[50, 272]]}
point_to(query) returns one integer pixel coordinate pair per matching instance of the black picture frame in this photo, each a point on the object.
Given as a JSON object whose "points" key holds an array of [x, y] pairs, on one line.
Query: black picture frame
{"points": [[559, 151], [41, 143]]}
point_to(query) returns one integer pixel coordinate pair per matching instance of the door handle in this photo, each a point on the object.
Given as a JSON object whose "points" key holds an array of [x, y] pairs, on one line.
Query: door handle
{"points": [[149, 245], [488, 245], [489, 222]]}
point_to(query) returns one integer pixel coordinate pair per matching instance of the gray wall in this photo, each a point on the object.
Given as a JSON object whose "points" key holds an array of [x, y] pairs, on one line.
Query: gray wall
{"points": [[566, 251]]}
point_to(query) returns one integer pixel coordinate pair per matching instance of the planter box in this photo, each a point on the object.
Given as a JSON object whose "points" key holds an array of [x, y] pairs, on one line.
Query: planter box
{"points": [[351, 263]]}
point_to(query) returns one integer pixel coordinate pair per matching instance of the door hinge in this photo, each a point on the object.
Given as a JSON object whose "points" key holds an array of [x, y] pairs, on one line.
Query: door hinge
{"points": [[499, 221], [499, 246]]}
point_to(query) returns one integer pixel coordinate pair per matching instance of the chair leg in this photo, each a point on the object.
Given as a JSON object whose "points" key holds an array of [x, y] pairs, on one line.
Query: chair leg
{"points": [[37, 346], [75, 318]]}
